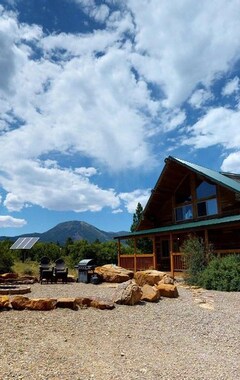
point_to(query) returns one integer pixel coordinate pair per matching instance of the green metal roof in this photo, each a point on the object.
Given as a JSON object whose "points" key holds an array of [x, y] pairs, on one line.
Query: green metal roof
{"points": [[211, 174], [184, 226]]}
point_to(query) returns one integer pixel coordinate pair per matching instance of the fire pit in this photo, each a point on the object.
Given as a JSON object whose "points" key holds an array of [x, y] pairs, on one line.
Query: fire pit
{"points": [[14, 289]]}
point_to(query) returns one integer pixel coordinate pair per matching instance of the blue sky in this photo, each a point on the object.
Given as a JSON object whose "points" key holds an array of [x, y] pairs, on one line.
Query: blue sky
{"points": [[94, 95]]}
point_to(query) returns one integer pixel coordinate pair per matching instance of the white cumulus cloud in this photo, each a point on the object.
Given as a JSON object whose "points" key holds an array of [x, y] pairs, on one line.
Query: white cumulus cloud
{"points": [[131, 199], [9, 221], [231, 87], [232, 163], [218, 126]]}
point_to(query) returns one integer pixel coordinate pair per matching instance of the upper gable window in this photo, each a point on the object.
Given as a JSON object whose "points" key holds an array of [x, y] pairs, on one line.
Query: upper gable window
{"points": [[183, 193], [206, 199], [206, 190]]}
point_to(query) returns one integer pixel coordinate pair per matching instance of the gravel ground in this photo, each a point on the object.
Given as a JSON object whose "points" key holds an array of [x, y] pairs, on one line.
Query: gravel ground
{"points": [[193, 337]]}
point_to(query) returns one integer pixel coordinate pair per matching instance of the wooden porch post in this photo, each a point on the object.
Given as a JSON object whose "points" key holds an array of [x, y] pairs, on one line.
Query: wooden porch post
{"points": [[154, 253], [171, 255], [135, 257], [119, 252]]}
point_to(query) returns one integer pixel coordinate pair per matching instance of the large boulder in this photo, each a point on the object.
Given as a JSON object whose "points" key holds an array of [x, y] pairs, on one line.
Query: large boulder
{"points": [[150, 277], [127, 293], [113, 273], [150, 293], [167, 290]]}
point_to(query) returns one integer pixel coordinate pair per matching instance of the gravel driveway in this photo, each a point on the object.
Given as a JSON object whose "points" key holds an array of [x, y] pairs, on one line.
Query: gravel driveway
{"points": [[195, 336]]}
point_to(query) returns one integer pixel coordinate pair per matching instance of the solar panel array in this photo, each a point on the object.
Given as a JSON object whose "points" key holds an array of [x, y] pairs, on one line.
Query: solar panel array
{"points": [[24, 243]]}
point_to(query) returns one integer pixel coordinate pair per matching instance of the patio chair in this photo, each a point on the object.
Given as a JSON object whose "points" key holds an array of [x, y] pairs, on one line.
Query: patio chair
{"points": [[45, 270], [60, 271]]}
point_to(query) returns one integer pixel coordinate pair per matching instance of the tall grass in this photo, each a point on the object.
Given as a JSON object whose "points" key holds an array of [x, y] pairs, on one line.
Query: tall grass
{"points": [[29, 267]]}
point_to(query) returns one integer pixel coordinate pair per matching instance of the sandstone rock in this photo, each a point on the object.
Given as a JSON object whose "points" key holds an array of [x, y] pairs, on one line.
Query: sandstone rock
{"points": [[113, 273], [43, 304], [98, 303], [27, 279], [84, 301], [21, 303], [102, 304], [8, 289], [150, 277], [150, 293], [7, 276], [5, 303], [69, 303], [167, 290], [167, 280], [128, 293]]}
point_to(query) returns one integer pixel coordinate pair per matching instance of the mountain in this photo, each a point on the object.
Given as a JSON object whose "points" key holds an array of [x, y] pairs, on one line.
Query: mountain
{"points": [[76, 230]]}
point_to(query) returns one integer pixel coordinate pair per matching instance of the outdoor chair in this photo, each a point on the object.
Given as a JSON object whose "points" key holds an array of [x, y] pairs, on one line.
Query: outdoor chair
{"points": [[45, 270], [60, 271]]}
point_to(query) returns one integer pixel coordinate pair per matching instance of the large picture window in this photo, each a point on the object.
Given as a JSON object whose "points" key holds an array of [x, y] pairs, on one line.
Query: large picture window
{"points": [[208, 207], [206, 199], [205, 190], [184, 212]]}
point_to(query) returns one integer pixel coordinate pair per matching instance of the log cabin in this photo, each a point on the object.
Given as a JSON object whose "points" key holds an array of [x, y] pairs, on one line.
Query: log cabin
{"points": [[187, 199]]}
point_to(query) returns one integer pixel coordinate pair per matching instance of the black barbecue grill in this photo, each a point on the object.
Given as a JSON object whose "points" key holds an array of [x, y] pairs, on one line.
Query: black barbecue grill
{"points": [[85, 270]]}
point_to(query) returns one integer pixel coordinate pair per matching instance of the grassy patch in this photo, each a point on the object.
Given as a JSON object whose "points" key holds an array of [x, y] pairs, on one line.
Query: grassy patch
{"points": [[30, 268]]}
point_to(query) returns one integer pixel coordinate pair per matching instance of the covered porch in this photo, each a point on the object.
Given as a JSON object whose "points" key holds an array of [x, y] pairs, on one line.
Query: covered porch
{"points": [[221, 236]]}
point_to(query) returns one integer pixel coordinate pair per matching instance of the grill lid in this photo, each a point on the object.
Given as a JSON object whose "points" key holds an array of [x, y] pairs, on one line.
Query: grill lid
{"points": [[85, 262]]}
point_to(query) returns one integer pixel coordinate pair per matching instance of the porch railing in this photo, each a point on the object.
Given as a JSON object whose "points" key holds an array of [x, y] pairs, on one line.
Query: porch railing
{"points": [[147, 261], [136, 262], [178, 263]]}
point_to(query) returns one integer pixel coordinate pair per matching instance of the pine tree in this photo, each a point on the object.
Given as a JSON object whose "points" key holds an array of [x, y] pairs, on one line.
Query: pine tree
{"points": [[144, 244], [137, 217]]}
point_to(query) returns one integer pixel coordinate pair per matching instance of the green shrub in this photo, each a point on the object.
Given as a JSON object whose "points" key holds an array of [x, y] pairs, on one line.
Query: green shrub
{"points": [[6, 262], [222, 274], [195, 258]]}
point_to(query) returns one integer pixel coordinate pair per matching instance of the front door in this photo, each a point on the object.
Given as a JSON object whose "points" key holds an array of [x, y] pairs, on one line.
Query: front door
{"points": [[163, 253]]}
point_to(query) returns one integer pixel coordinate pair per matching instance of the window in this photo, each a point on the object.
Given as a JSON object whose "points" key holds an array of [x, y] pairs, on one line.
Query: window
{"points": [[205, 190], [183, 193], [206, 196], [184, 212], [208, 207]]}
